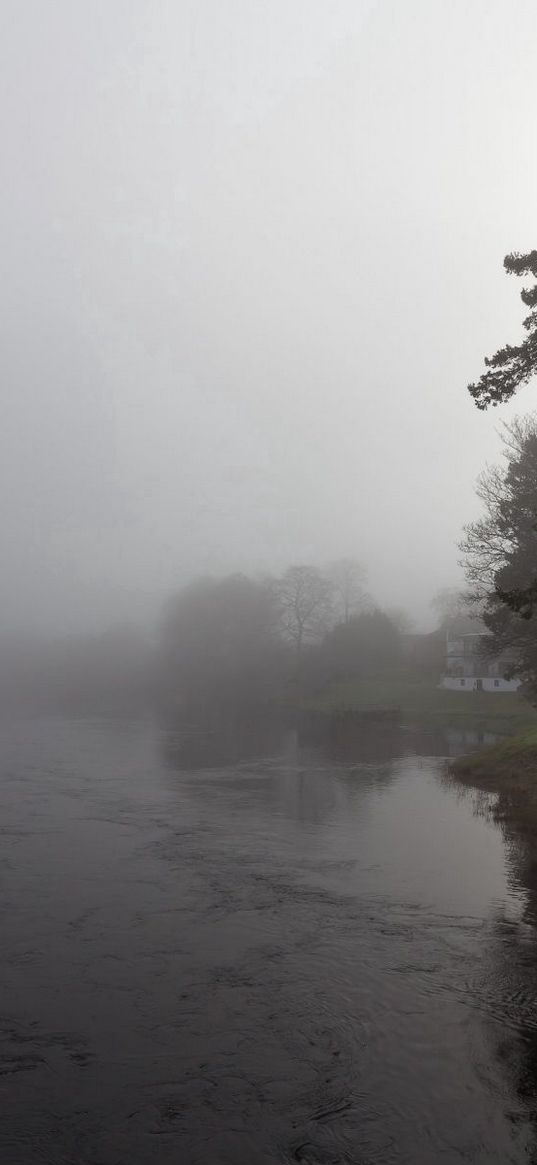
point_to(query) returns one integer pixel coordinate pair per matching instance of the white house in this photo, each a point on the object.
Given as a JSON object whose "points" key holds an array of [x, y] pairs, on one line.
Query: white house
{"points": [[469, 670]]}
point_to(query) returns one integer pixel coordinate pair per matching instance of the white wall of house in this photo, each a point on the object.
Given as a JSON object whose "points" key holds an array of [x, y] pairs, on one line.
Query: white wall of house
{"points": [[500, 684], [488, 684], [467, 669]]}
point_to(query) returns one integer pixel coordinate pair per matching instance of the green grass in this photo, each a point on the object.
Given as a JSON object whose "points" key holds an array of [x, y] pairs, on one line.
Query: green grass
{"points": [[422, 700], [513, 760], [509, 771]]}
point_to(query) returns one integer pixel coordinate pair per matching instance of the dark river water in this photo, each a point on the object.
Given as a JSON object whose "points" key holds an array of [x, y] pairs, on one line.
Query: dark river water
{"points": [[304, 955]]}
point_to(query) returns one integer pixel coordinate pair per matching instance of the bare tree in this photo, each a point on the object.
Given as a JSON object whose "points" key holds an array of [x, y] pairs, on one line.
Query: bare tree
{"points": [[348, 578], [449, 603], [304, 601], [500, 553], [504, 490]]}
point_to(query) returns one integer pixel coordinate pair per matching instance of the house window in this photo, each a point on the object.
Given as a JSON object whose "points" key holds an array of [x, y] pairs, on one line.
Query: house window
{"points": [[463, 683], [496, 683]]}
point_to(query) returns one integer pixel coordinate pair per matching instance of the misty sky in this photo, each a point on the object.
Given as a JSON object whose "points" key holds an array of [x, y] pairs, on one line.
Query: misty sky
{"points": [[252, 254]]}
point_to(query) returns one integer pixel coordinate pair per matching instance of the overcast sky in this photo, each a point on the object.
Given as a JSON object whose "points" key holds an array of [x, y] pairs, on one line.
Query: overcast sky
{"points": [[251, 257]]}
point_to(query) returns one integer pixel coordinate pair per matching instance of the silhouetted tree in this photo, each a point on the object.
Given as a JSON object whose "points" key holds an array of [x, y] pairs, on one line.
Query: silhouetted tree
{"points": [[500, 551], [348, 578], [448, 604], [514, 365], [304, 603]]}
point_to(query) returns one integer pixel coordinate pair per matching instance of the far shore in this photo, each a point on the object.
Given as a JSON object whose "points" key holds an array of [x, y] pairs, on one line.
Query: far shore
{"points": [[423, 700]]}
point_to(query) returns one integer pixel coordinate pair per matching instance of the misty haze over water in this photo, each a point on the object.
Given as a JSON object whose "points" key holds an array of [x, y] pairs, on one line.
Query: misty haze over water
{"points": [[252, 255]]}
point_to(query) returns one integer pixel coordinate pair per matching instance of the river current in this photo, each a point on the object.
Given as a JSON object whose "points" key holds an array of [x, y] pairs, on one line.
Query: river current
{"points": [[282, 953]]}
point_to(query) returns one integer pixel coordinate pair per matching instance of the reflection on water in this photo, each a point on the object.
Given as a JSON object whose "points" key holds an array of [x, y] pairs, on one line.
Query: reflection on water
{"points": [[194, 748], [514, 980], [257, 947]]}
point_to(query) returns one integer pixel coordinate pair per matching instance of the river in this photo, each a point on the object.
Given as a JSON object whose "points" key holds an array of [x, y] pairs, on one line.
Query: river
{"points": [[298, 955]]}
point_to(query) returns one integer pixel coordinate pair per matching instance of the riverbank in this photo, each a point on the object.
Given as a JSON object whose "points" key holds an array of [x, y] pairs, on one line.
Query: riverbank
{"points": [[420, 701], [509, 772]]}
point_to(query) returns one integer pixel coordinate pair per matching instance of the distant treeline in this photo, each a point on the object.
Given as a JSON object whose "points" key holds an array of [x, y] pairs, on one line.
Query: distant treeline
{"points": [[112, 671], [242, 644], [223, 646]]}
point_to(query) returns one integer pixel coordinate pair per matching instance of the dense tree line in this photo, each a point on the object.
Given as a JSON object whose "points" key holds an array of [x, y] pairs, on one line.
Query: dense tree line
{"points": [[225, 647], [240, 644]]}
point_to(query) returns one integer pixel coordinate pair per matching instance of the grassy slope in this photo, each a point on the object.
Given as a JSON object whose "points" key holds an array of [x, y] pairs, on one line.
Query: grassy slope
{"points": [[508, 770], [512, 761], [422, 700]]}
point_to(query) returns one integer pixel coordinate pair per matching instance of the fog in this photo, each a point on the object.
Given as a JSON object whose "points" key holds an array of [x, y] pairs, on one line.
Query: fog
{"points": [[252, 255]]}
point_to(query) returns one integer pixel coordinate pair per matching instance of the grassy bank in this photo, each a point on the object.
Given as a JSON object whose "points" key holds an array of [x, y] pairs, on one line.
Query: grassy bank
{"points": [[508, 770], [514, 761], [422, 701]]}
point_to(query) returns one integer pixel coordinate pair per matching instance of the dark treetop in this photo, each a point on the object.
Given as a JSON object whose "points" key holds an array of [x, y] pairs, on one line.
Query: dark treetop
{"points": [[512, 366]]}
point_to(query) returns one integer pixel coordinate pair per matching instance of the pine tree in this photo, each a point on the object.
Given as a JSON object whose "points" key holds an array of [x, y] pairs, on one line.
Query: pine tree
{"points": [[512, 366]]}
